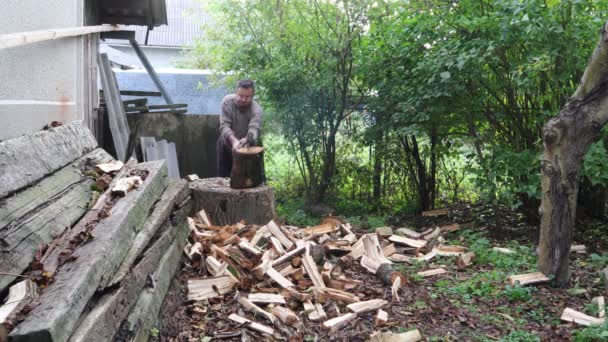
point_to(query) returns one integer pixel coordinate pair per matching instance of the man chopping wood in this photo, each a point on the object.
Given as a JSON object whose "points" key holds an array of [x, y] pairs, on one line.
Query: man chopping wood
{"points": [[239, 124]]}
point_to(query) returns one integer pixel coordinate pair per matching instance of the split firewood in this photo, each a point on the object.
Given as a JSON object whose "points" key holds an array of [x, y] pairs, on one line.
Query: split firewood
{"points": [[240, 259], [339, 246], [357, 251], [248, 248], [261, 234], [321, 294], [395, 290], [367, 306], [292, 294], [437, 212], [389, 250], [409, 233], [571, 315], [277, 245], [340, 283], [503, 250], [450, 228], [249, 306], [201, 289], [266, 298], [601, 306], [410, 336], [432, 272], [433, 235], [324, 238], [444, 250], [579, 249], [19, 295], [253, 325], [278, 278], [528, 279], [285, 315], [204, 218], [400, 258], [338, 322], [279, 234], [315, 312], [384, 232], [231, 240], [215, 267], [373, 256], [311, 269], [381, 318], [400, 240], [266, 262], [289, 255], [427, 256], [123, 185], [196, 252], [110, 167], [325, 228], [192, 177], [464, 260]]}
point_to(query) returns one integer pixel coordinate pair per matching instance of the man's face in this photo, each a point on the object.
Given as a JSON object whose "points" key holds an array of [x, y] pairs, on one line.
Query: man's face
{"points": [[244, 97]]}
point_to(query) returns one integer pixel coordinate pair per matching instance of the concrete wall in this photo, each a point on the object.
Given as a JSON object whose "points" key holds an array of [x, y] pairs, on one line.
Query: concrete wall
{"points": [[159, 56], [182, 85], [45, 81], [195, 138]]}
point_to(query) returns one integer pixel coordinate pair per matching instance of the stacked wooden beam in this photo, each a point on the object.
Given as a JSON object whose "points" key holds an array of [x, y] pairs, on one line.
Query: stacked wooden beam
{"points": [[89, 245]]}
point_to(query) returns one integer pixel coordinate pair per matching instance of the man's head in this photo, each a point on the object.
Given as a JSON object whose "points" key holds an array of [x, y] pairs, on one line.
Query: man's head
{"points": [[244, 93]]}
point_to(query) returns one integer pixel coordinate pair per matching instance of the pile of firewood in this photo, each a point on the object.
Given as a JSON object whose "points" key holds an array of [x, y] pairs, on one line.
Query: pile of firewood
{"points": [[285, 277], [88, 245]]}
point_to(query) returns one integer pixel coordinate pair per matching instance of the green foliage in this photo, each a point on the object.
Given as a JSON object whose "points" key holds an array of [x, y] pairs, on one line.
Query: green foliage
{"points": [[592, 333], [594, 164], [521, 261], [291, 210], [517, 293], [485, 285], [520, 336]]}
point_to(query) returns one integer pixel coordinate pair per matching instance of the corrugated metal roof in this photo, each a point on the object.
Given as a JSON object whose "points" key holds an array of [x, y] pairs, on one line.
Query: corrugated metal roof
{"points": [[185, 19]]}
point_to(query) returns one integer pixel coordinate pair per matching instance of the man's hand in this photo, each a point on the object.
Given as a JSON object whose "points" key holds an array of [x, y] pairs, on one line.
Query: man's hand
{"points": [[239, 144], [252, 138]]}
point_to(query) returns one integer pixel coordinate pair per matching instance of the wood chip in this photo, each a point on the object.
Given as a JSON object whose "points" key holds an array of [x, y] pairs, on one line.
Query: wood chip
{"points": [[19, 295], [278, 278], [571, 315], [285, 315], [528, 279], [123, 185], [381, 318], [266, 298], [464, 260], [110, 167], [400, 240], [367, 306], [432, 272], [253, 325], [579, 249], [338, 322]]}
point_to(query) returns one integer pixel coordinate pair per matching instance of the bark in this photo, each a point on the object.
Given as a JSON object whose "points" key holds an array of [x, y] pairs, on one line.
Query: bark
{"points": [[566, 139], [247, 168]]}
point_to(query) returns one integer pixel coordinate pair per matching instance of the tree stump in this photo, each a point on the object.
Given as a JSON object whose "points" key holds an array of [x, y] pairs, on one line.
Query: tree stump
{"points": [[227, 206], [247, 167]]}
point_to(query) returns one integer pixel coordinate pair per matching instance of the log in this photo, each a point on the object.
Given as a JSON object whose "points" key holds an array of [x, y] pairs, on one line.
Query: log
{"points": [[252, 325], [39, 214], [428, 256], [228, 206], [104, 320], [29, 158], [145, 313], [338, 322], [249, 306], [176, 193], [201, 289], [579, 249], [247, 167], [97, 261], [367, 306], [276, 244], [192, 177]]}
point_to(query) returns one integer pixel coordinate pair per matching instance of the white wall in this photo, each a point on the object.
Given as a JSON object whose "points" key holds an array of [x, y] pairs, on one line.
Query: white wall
{"points": [[46, 81]]}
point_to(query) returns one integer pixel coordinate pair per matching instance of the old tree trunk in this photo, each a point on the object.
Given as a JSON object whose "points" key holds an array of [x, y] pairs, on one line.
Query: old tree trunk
{"points": [[567, 138]]}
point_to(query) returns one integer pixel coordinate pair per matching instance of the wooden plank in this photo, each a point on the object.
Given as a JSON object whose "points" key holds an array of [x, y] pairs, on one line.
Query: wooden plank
{"points": [[528, 279], [29, 158], [23, 38], [266, 298], [65, 298], [253, 325], [367, 306], [140, 93], [175, 194], [338, 322], [201, 289], [101, 323], [39, 214], [571, 315], [400, 240], [145, 313], [278, 233]]}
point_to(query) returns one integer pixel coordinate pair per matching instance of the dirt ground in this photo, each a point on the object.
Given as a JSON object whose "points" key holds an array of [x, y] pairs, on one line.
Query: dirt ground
{"points": [[473, 304]]}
